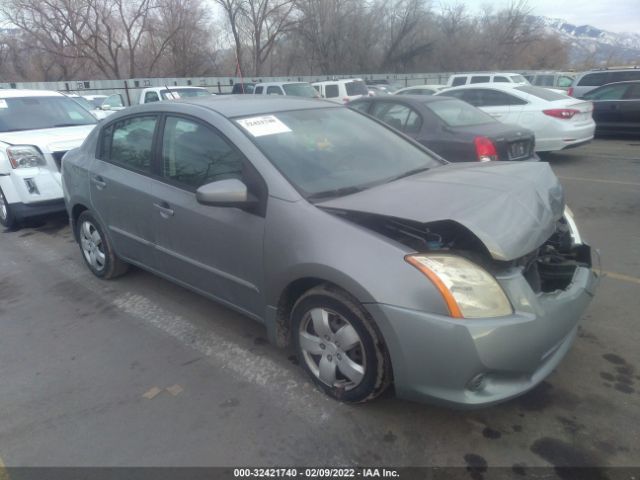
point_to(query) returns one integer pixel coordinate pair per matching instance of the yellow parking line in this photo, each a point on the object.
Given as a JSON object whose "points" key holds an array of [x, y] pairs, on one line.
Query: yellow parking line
{"points": [[3, 471], [598, 180], [624, 278]]}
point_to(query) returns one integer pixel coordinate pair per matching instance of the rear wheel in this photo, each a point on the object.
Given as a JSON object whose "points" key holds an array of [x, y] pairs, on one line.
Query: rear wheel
{"points": [[338, 345], [7, 218], [96, 248]]}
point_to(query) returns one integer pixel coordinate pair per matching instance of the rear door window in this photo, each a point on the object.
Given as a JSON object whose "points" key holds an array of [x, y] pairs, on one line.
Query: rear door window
{"points": [[480, 79], [609, 92], [331, 91], [399, 116], [493, 98], [274, 90], [356, 88], [500, 78], [634, 92], [459, 81], [129, 142], [594, 79], [258, 90], [624, 76]]}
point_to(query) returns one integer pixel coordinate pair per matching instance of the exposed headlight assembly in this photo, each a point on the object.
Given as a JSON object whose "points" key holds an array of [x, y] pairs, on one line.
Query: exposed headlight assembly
{"points": [[24, 156], [573, 228], [468, 289]]}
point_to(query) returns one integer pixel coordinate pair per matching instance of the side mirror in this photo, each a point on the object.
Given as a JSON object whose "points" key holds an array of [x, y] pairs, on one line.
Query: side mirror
{"points": [[230, 192]]}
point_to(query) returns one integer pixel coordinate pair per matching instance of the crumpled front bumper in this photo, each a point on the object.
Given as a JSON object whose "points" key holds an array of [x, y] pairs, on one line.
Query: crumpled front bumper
{"points": [[479, 362]]}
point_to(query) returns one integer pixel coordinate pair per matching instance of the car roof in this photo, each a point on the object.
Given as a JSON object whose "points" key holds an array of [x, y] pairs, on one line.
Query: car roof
{"points": [[422, 99], [270, 84], [242, 105], [342, 80], [493, 85], [18, 93]]}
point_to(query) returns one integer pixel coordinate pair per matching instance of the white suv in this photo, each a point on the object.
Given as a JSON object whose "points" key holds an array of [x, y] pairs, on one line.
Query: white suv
{"points": [[486, 77], [342, 91], [37, 127], [294, 89]]}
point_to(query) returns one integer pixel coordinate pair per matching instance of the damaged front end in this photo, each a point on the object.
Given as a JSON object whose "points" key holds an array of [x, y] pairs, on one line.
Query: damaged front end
{"points": [[548, 268]]}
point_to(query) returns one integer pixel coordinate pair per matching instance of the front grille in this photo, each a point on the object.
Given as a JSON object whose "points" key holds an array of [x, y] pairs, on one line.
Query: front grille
{"points": [[57, 157]]}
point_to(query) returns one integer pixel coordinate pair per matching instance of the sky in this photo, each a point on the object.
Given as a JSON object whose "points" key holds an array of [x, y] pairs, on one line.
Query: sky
{"points": [[612, 15]]}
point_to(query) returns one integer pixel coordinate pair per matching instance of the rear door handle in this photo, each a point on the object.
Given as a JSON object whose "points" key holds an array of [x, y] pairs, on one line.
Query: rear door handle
{"points": [[165, 209], [98, 181]]}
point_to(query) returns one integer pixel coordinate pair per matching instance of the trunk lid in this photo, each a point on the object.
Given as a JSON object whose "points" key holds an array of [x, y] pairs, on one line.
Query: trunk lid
{"points": [[512, 207]]}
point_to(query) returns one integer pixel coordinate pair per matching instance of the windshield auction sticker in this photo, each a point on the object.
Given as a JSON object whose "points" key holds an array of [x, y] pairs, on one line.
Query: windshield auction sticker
{"points": [[261, 126]]}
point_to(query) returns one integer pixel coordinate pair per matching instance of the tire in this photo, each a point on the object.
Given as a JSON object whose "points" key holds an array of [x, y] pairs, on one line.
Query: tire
{"points": [[359, 369], [7, 218], [96, 248]]}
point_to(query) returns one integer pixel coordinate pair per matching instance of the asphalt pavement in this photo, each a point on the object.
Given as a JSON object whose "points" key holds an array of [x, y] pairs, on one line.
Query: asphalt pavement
{"points": [[139, 371]]}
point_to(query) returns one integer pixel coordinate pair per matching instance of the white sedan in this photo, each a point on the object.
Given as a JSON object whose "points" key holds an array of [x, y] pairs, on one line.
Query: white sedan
{"points": [[559, 121]]}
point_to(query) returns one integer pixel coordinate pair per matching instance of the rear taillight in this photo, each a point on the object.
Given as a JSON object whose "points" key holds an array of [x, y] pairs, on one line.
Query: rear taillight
{"points": [[562, 113], [485, 149], [570, 92]]}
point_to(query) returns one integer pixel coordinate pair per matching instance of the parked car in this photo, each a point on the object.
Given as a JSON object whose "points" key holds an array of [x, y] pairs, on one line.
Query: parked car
{"points": [[453, 129], [557, 120], [486, 77], [586, 81], [616, 107], [342, 91], [37, 127], [294, 89], [96, 112], [113, 103], [95, 100], [157, 94], [242, 88], [298, 212], [377, 90], [419, 90], [554, 80]]}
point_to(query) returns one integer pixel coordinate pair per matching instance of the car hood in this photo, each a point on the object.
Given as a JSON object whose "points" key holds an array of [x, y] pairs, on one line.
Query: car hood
{"points": [[512, 207], [49, 139]]}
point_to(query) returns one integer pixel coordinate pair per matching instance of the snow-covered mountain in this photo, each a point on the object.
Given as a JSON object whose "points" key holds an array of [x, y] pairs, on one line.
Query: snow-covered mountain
{"points": [[591, 44]]}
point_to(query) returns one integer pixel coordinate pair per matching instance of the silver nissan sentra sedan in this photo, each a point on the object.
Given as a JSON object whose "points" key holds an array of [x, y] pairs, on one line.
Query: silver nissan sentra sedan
{"points": [[379, 262]]}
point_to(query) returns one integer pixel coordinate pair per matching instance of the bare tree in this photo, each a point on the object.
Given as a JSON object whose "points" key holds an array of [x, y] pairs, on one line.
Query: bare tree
{"points": [[265, 22], [234, 11]]}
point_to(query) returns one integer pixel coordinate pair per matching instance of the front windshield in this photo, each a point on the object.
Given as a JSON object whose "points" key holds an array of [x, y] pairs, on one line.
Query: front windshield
{"points": [[183, 93], [519, 79], [457, 113], [300, 90], [83, 102], [329, 152], [32, 113]]}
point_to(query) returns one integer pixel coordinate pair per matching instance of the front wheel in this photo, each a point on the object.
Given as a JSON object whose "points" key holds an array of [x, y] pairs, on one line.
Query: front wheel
{"points": [[338, 345], [7, 218], [96, 249]]}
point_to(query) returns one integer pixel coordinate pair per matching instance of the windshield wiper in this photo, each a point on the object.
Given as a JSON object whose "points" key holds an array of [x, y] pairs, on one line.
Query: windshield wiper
{"points": [[337, 192], [408, 174]]}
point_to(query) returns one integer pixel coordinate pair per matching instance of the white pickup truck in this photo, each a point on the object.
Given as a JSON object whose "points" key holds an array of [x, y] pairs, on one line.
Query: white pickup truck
{"points": [[37, 127], [157, 94]]}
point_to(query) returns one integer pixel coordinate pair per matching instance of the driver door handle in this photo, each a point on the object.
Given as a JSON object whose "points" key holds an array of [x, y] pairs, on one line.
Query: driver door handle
{"points": [[165, 209], [98, 181]]}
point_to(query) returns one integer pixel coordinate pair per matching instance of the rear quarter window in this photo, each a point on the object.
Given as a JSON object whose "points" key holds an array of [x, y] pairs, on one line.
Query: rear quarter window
{"points": [[624, 76], [543, 93]]}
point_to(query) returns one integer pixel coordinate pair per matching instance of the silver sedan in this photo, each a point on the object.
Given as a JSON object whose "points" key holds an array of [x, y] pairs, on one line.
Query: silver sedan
{"points": [[378, 261]]}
